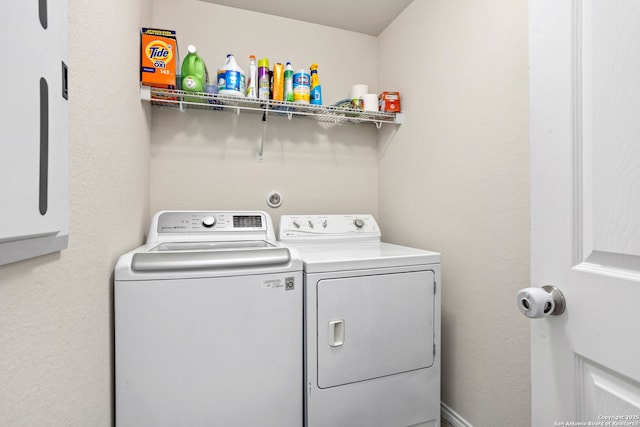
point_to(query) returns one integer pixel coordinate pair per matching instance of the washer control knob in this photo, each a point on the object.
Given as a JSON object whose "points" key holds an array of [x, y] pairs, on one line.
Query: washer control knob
{"points": [[296, 224], [324, 224], [310, 224], [208, 221], [359, 223]]}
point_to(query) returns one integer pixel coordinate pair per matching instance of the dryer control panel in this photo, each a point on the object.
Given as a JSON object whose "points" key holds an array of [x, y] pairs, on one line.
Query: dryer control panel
{"points": [[319, 228]]}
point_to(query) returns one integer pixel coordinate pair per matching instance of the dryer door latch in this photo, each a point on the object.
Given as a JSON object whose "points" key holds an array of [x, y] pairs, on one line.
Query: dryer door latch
{"points": [[335, 334]]}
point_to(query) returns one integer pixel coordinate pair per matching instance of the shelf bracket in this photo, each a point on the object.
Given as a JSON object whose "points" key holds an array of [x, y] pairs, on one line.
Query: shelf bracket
{"points": [[264, 132], [145, 93]]}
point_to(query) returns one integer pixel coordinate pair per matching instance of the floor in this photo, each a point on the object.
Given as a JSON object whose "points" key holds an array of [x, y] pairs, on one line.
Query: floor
{"points": [[445, 423]]}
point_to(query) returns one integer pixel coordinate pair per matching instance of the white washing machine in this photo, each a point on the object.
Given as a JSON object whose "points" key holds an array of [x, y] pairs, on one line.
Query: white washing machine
{"points": [[372, 324], [208, 324]]}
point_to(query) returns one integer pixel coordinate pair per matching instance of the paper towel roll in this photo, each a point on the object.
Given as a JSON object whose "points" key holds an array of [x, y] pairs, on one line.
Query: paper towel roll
{"points": [[356, 92], [535, 302], [369, 102]]}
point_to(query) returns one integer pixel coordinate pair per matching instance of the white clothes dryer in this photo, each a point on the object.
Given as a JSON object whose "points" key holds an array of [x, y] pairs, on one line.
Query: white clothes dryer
{"points": [[372, 324], [208, 324]]}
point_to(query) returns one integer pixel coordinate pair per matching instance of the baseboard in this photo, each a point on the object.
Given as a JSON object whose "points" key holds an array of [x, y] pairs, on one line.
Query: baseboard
{"points": [[453, 417]]}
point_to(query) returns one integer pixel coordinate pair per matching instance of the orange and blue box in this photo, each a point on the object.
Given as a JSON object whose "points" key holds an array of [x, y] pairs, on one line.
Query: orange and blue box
{"points": [[159, 58]]}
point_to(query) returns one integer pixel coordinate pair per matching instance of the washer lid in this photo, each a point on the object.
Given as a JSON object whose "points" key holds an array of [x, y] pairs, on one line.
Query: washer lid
{"points": [[181, 260], [341, 257], [211, 260], [205, 246]]}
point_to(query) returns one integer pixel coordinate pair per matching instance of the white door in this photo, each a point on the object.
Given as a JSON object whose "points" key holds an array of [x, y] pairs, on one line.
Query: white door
{"points": [[585, 209]]}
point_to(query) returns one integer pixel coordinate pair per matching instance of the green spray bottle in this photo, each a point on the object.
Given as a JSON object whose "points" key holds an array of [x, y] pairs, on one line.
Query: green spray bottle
{"points": [[288, 82]]}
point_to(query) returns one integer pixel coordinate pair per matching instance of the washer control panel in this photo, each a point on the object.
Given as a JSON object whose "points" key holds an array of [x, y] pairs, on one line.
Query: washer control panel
{"points": [[295, 228], [215, 221]]}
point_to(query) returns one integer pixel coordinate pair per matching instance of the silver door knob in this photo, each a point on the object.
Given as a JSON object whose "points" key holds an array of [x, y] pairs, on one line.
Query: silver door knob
{"points": [[541, 302]]}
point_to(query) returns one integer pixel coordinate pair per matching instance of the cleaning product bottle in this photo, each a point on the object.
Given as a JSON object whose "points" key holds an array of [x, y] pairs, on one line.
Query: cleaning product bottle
{"points": [[194, 74], [288, 82], [278, 82], [264, 81], [301, 87], [316, 88], [231, 78], [252, 90]]}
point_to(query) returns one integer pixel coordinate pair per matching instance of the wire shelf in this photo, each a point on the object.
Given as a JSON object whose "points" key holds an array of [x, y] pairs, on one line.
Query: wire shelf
{"points": [[216, 102]]}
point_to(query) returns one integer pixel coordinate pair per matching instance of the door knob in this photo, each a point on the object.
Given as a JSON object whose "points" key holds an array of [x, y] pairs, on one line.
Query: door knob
{"points": [[541, 302]]}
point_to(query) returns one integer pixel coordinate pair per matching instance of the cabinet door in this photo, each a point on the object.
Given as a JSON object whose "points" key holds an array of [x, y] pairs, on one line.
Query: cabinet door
{"points": [[374, 326], [34, 134]]}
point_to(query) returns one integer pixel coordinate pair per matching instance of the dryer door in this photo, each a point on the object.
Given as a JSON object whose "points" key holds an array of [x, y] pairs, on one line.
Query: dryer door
{"points": [[373, 326]]}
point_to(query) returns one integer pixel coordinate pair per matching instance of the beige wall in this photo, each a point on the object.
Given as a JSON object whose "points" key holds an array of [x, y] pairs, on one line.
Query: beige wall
{"points": [[454, 179], [205, 160], [55, 310]]}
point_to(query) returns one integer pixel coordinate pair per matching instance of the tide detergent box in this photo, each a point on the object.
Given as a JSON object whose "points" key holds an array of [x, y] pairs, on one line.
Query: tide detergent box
{"points": [[159, 59]]}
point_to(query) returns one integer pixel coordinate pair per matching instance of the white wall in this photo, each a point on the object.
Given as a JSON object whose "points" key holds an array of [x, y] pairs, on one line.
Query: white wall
{"points": [[454, 178], [56, 310], [206, 160]]}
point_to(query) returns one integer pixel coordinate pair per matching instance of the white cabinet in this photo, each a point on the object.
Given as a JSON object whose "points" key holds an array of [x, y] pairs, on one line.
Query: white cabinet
{"points": [[34, 131]]}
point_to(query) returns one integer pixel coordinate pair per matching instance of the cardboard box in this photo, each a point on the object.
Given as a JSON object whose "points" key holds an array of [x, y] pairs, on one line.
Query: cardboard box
{"points": [[389, 101], [159, 58]]}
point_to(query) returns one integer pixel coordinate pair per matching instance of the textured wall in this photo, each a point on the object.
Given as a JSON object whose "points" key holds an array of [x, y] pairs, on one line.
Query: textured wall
{"points": [[454, 178], [56, 310], [207, 160]]}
